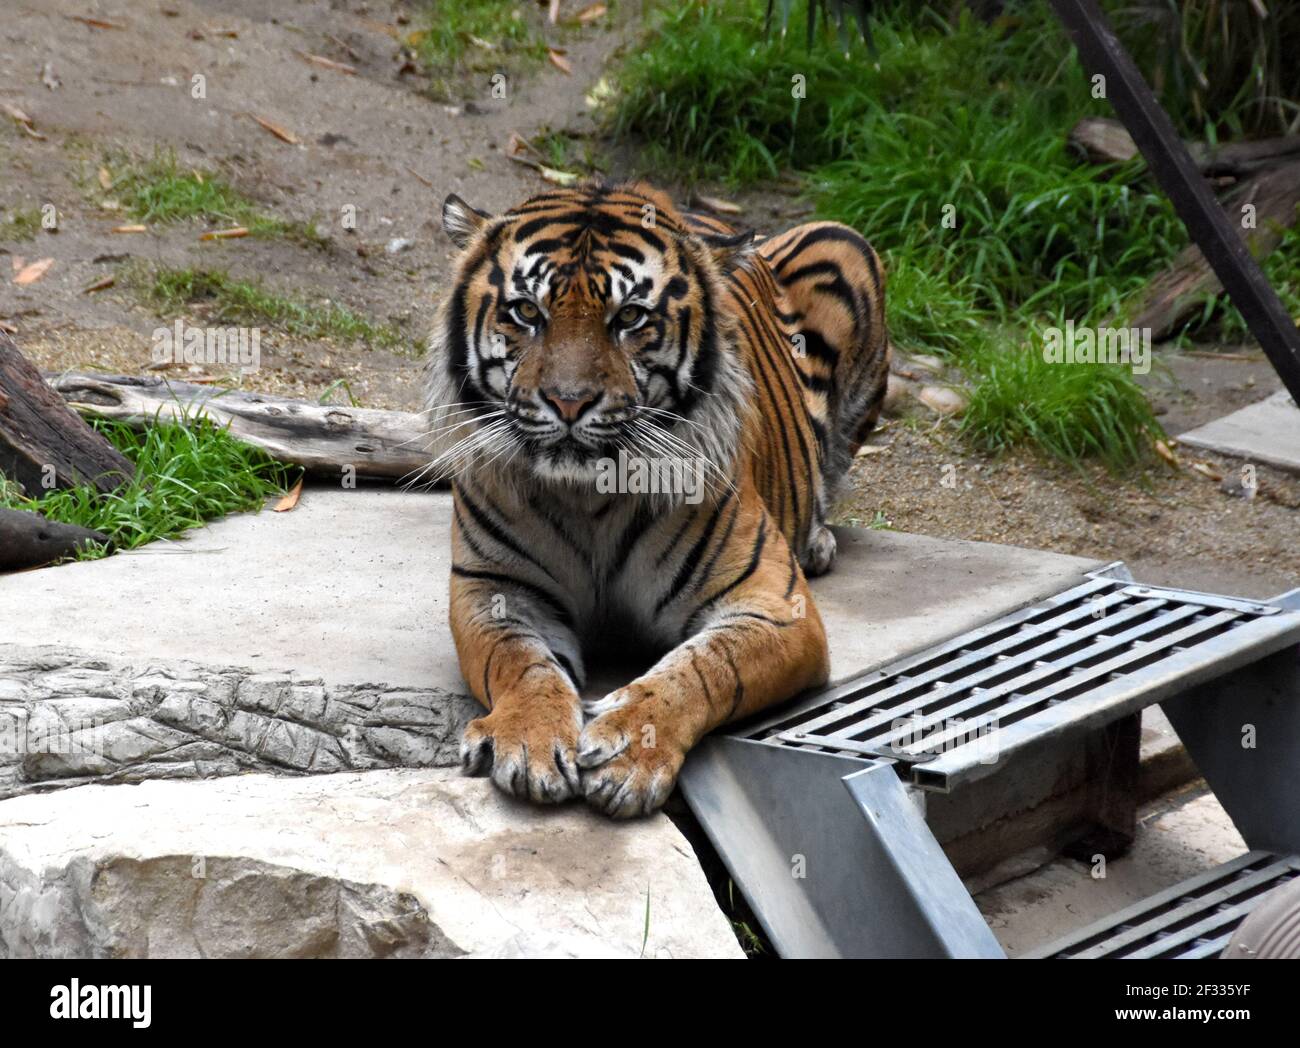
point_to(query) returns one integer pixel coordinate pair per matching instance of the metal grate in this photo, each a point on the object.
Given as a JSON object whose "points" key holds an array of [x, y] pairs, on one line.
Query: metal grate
{"points": [[1191, 921], [1077, 661]]}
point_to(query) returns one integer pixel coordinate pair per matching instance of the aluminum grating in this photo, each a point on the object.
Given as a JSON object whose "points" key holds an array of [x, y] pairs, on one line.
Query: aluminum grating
{"points": [[1191, 921], [1074, 662]]}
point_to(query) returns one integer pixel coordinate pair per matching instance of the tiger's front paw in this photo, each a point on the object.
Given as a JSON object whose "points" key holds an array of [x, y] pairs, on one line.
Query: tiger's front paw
{"points": [[629, 763], [529, 753]]}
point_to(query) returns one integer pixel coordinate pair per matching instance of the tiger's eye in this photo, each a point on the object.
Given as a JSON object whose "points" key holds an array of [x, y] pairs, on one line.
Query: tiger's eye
{"points": [[629, 314], [528, 310]]}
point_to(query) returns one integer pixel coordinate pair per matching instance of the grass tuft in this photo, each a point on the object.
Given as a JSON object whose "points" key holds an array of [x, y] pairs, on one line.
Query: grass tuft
{"points": [[225, 300], [160, 190], [186, 475], [463, 37], [1070, 411], [22, 224]]}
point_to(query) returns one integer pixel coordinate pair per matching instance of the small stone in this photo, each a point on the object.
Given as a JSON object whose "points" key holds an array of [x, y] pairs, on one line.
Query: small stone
{"points": [[942, 400]]}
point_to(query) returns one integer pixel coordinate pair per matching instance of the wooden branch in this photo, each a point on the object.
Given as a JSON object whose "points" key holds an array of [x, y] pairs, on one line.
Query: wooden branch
{"points": [[1173, 296], [1102, 140], [43, 445], [28, 540], [323, 439]]}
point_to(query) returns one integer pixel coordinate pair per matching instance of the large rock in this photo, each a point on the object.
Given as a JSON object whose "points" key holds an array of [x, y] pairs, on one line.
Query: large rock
{"points": [[68, 718], [384, 863]]}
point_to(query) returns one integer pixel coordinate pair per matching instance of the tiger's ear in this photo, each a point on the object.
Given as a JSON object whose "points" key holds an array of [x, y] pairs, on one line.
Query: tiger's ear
{"points": [[461, 221], [730, 250]]}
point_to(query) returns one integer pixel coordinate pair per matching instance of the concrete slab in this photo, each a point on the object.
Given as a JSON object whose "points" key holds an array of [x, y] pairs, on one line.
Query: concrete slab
{"points": [[1267, 432], [352, 587]]}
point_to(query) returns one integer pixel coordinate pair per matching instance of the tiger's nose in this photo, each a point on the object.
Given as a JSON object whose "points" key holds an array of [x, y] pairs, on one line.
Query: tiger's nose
{"points": [[570, 404]]}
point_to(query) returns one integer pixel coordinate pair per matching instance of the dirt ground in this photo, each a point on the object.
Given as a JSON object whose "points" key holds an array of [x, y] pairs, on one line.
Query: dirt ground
{"points": [[376, 141]]}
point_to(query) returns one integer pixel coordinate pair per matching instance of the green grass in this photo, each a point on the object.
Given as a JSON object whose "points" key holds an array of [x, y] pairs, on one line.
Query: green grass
{"points": [[947, 149], [22, 224], [1070, 411], [461, 37], [225, 300], [161, 191], [186, 475]]}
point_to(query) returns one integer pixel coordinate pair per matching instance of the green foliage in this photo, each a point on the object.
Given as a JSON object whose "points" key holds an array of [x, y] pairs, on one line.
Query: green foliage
{"points": [[22, 224], [159, 190], [946, 146], [186, 475], [1070, 411], [228, 301], [460, 37], [1220, 67]]}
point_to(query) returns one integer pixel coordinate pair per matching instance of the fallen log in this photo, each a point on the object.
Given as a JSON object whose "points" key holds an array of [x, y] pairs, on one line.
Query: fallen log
{"points": [[28, 540], [323, 439], [1102, 140], [43, 444], [1170, 299]]}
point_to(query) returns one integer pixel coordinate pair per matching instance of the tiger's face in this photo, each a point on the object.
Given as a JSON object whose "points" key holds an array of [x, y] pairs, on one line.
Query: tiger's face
{"points": [[581, 324]]}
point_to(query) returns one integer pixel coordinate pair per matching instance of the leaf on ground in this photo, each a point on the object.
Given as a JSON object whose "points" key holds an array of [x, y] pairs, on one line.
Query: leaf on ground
{"points": [[129, 229], [49, 77], [420, 177], [224, 234], [329, 63], [1163, 450], [553, 15], [22, 120], [556, 55], [33, 272], [290, 500], [102, 284], [105, 179], [590, 13], [282, 133], [718, 206], [95, 23], [601, 92], [1207, 471], [551, 174]]}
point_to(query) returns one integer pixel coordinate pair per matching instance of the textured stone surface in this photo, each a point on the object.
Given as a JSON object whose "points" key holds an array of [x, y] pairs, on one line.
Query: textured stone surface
{"points": [[68, 718], [385, 863]]}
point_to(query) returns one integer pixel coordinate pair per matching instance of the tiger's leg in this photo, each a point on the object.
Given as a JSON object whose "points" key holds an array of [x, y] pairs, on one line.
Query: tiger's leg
{"points": [[834, 291], [520, 662], [753, 638]]}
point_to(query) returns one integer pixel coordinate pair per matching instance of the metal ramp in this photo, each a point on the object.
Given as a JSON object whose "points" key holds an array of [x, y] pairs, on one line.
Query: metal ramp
{"points": [[1190, 921], [841, 816]]}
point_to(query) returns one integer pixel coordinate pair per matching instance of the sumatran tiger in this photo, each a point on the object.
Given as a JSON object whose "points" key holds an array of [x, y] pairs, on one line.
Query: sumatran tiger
{"points": [[596, 335]]}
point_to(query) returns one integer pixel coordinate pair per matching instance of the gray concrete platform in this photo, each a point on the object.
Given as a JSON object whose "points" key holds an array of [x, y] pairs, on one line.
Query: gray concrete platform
{"points": [[352, 587], [1267, 432]]}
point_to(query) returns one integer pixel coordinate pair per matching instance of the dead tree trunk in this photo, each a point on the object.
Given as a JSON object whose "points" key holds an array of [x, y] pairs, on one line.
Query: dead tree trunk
{"points": [[43, 443], [324, 439], [1102, 140], [1172, 297]]}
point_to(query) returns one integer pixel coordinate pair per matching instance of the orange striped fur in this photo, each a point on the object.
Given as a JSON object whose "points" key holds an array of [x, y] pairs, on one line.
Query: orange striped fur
{"points": [[600, 325]]}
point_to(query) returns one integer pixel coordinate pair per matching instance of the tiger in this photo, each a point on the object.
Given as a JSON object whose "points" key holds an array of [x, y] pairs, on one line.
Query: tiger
{"points": [[600, 321]]}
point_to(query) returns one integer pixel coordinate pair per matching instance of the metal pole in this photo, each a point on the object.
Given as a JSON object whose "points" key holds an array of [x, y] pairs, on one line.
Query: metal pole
{"points": [[1101, 52]]}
